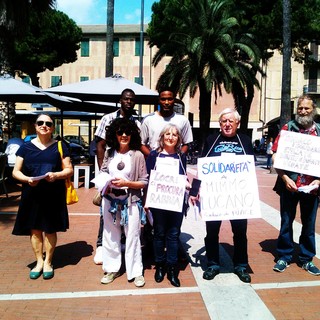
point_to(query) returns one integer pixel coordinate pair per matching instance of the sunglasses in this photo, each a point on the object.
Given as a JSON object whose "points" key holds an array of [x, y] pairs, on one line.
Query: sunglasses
{"points": [[40, 123], [127, 132]]}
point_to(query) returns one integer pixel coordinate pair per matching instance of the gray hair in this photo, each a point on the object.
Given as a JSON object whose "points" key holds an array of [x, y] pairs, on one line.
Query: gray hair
{"points": [[167, 128], [307, 97], [230, 110]]}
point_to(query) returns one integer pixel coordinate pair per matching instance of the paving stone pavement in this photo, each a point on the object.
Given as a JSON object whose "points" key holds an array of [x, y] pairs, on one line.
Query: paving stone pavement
{"points": [[76, 293]]}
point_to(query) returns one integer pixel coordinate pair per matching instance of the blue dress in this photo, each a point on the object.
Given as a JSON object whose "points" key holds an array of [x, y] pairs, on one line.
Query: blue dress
{"points": [[42, 207]]}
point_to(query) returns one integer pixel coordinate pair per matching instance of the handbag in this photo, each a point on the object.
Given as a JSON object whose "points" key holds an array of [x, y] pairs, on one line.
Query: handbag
{"points": [[97, 199], [71, 194]]}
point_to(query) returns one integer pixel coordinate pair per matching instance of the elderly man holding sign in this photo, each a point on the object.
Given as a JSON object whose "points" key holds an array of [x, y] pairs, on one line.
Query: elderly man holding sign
{"points": [[228, 192], [297, 161]]}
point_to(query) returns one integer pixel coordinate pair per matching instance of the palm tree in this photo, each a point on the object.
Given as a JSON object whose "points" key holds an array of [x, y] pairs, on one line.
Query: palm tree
{"points": [[207, 54], [286, 65], [109, 40]]}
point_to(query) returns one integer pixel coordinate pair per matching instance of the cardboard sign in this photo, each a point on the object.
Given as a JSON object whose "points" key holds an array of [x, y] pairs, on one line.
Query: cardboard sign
{"points": [[167, 164], [298, 153], [229, 188], [166, 191]]}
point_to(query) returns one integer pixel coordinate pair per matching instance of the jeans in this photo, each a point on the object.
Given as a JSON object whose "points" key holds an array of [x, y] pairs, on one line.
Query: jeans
{"points": [[308, 208], [269, 160], [167, 229], [240, 256]]}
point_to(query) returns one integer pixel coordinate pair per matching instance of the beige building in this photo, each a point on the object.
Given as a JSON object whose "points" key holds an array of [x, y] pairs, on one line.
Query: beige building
{"points": [[91, 65]]}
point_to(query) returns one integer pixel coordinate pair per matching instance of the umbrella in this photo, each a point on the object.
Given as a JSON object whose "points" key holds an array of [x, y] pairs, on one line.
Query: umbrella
{"points": [[106, 89], [12, 90]]}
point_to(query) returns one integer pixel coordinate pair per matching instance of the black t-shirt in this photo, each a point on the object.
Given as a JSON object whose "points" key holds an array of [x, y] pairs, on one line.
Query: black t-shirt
{"points": [[216, 144]]}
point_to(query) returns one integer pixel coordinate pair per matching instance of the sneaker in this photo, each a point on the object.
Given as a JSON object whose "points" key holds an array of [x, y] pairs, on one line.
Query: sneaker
{"points": [[280, 266], [98, 256], [139, 281], [109, 277], [311, 268]]}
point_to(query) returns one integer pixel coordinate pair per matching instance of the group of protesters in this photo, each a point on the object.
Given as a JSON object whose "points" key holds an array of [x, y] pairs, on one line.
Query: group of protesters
{"points": [[129, 153]]}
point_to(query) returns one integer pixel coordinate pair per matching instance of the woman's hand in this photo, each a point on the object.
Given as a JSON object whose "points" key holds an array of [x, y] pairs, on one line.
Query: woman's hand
{"points": [[51, 177], [119, 182], [32, 183], [194, 199]]}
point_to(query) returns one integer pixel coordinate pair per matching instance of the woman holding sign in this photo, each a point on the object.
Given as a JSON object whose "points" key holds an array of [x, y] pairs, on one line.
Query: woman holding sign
{"points": [[121, 203], [167, 224]]}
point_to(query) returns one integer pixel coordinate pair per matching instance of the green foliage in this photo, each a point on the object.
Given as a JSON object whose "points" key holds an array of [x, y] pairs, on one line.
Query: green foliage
{"points": [[264, 20], [208, 51], [51, 40], [14, 19]]}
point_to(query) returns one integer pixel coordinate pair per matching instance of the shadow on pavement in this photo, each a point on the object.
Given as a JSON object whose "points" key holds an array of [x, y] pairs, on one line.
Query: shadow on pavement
{"points": [[69, 254]]}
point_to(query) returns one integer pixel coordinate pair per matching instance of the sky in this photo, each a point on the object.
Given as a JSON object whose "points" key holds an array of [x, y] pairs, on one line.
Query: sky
{"points": [[95, 11]]}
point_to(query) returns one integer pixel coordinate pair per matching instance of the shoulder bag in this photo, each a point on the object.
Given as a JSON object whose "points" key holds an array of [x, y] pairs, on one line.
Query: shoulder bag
{"points": [[71, 194]]}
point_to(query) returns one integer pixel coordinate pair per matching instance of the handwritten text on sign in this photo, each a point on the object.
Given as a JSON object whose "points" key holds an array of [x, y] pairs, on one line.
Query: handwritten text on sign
{"points": [[298, 153], [229, 188], [166, 191]]}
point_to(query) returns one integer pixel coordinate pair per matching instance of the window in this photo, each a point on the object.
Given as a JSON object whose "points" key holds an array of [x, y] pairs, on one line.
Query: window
{"points": [[84, 78], [56, 81], [26, 79], [85, 48], [137, 47], [116, 47], [137, 80]]}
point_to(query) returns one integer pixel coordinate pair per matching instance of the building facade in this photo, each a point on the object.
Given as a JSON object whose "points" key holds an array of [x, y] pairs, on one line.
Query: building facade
{"points": [[91, 64]]}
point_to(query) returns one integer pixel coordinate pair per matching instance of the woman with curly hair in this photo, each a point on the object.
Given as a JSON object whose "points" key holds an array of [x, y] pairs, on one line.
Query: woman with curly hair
{"points": [[121, 202]]}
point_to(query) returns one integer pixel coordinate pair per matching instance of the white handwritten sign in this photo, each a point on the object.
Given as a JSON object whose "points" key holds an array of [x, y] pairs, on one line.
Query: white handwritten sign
{"points": [[167, 164], [298, 153], [229, 188], [166, 191]]}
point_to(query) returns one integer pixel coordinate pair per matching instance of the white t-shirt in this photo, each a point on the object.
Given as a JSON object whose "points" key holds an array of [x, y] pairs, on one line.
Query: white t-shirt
{"points": [[153, 124]]}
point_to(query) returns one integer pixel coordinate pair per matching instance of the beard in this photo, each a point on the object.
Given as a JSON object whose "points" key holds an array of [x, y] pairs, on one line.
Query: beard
{"points": [[306, 121]]}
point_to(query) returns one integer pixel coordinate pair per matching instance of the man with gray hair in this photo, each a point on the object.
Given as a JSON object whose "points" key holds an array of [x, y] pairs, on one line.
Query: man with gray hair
{"points": [[227, 141], [287, 187]]}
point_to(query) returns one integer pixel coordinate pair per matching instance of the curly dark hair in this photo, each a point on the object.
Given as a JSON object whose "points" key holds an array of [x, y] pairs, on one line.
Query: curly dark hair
{"points": [[122, 124]]}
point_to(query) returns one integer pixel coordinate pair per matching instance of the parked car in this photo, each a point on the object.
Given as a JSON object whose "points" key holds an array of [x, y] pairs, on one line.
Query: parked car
{"points": [[78, 140]]}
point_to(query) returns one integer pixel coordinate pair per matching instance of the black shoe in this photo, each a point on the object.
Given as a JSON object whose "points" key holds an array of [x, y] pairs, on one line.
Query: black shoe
{"points": [[243, 275], [160, 272], [172, 277], [210, 273]]}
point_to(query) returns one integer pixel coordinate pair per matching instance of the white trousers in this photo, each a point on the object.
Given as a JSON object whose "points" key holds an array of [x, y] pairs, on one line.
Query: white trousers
{"points": [[111, 242]]}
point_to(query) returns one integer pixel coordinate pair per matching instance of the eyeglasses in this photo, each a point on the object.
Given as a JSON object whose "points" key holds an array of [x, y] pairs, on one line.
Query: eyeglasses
{"points": [[40, 123], [127, 132]]}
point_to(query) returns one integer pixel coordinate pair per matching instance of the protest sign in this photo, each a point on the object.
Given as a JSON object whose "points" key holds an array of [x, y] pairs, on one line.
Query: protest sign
{"points": [[298, 153], [166, 191], [167, 164], [229, 188]]}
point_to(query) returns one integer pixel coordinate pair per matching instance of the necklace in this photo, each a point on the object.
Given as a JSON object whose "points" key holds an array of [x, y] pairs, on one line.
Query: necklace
{"points": [[121, 165]]}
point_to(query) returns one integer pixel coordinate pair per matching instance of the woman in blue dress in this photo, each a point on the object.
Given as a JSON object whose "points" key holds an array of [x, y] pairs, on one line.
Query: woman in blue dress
{"points": [[42, 209]]}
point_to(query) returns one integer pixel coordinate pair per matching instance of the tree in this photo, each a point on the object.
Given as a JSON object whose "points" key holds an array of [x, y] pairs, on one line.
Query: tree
{"points": [[110, 34], [14, 17], [51, 41], [207, 51], [286, 65]]}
